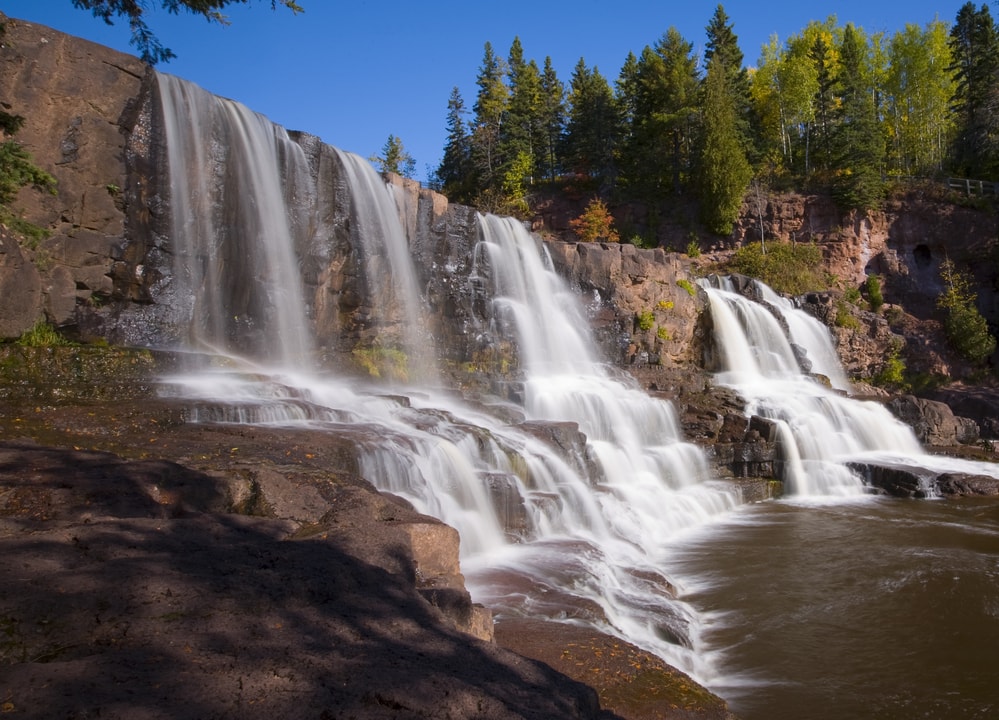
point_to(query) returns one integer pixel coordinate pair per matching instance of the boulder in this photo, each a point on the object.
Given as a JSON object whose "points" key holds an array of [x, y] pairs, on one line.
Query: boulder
{"points": [[933, 422]]}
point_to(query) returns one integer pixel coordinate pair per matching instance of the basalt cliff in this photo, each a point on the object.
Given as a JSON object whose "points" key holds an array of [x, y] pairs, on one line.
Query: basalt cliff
{"points": [[151, 553]]}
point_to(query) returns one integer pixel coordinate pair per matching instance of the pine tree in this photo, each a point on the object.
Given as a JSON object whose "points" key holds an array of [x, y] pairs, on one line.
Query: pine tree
{"points": [[151, 50], [490, 106], [857, 143], [395, 159], [723, 47], [552, 120], [724, 172], [593, 126], [975, 49], [455, 176]]}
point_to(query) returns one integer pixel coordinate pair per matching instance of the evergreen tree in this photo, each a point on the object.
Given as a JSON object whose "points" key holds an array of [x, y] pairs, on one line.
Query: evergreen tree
{"points": [[857, 143], [965, 326], [395, 159], [552, 120], [658, 97], [455, 176], [723, 47], [724, 172], [820, 156], [974, 43], [490, 106], [522, 124], [593, 125]]}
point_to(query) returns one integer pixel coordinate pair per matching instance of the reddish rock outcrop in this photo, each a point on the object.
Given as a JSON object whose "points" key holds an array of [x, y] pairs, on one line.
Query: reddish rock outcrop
{"points": [[77, 98]]}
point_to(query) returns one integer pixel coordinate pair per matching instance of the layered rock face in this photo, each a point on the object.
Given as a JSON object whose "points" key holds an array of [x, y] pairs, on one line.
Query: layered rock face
{"points": [[78, 100]]}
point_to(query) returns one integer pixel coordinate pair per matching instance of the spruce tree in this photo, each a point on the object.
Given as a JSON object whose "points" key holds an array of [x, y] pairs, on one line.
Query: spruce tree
{"points": [[455, 176], [857, 142], [820, 154], [552, 120], [723, 47], [975, 51], [490, 106], [658, 98], [593, 124], [522, 122], [395, 159], [724, 171]]}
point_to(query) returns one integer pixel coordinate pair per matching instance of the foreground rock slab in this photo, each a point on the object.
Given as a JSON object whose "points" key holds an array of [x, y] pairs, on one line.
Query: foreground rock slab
{"points": [[123, 600]]}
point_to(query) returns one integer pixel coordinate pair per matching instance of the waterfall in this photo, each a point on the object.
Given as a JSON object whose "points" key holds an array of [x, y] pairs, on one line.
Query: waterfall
{"points": [[236, 273], [820, 428], [392, 285], [567, 515]]}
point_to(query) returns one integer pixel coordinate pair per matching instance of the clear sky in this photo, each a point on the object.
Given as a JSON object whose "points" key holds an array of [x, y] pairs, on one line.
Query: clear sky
{"points": [[353, 72]]}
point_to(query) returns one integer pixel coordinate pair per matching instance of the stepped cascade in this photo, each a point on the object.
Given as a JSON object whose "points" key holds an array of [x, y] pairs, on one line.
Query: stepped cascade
{"points": [[575, 532], [568, 499], [822, 429]]}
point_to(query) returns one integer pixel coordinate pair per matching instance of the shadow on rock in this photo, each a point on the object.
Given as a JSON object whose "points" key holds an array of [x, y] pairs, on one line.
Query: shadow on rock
{"points": [[128, 595]]}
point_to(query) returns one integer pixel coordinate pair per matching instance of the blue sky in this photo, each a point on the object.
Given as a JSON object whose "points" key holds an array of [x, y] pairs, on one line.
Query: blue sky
{"points": [[355, 72]]}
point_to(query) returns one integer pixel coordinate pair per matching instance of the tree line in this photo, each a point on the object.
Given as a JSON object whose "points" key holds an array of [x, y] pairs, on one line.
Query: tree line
{"points": [[831, 107]]}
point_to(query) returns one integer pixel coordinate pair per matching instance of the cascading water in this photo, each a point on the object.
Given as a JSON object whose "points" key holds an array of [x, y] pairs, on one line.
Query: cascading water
{"points": [[820, 429], [232, 226], [574, 536], [391, 278]]}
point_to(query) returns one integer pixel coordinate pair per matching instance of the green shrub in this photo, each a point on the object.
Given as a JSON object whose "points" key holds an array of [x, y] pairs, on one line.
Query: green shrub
{"points": [[874, 296], [693, 249], [662, 333], [966, 329], [892, 375], [645, 320], [687, 285], [786, 267], [844, 317]]}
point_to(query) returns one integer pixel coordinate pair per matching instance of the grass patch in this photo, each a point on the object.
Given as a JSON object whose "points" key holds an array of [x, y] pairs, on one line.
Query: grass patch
{"points": [[42, 334], [787, 268]]}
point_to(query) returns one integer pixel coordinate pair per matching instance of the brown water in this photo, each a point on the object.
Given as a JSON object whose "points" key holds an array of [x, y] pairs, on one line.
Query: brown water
{"points": [[875, 608]]}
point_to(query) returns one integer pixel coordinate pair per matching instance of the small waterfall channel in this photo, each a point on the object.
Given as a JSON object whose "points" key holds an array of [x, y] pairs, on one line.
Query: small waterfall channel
{"points": [[821, 428], [577, 533]]}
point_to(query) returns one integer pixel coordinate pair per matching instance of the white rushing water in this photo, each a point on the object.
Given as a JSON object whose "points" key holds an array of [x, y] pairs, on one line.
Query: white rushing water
{"points": [[238, 278], [821, 428], [578, 535]]}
